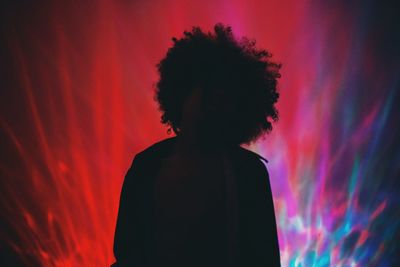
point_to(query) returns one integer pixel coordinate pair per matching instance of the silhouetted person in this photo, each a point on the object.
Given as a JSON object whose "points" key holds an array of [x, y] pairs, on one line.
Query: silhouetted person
{"points": [[199, 198]]}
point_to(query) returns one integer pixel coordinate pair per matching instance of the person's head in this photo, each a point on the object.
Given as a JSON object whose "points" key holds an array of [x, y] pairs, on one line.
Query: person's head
{"points": [[225, 89]]}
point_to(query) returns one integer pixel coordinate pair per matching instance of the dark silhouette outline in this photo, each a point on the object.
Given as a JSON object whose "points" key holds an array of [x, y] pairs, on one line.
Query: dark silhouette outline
{"points": [[245, 76], [215, 93]]}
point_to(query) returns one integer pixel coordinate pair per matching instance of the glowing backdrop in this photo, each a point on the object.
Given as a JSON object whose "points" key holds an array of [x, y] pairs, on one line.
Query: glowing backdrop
{"points": [[77, 105]]}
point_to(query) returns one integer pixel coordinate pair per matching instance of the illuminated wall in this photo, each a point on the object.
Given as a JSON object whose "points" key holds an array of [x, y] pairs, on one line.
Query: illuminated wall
{"points": [[76, 106]]}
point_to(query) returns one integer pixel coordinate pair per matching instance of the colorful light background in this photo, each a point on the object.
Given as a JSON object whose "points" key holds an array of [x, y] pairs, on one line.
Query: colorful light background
{"points": [[77, 105]]}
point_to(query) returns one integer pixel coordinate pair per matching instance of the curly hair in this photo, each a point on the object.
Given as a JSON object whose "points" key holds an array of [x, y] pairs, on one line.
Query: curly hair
{"points": [[219, 60]]}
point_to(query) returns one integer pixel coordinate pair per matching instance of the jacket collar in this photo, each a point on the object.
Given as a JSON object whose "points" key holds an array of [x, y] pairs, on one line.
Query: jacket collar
{"points": [[162, 149]]}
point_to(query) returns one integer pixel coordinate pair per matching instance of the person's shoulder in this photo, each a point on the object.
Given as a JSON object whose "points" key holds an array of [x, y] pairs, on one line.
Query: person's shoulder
{"points": [[251, 154], [157, 149]]}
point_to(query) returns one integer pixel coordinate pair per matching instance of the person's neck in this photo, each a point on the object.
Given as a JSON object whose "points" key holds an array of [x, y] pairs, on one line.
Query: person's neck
{"points": [[190, 143]]}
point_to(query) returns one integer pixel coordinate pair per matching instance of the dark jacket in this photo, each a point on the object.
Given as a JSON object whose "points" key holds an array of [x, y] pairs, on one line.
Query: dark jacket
{"points": [[258, 240]]}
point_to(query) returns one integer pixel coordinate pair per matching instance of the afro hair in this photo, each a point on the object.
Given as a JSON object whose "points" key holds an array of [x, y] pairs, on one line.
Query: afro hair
{"points": [[219, 60]]}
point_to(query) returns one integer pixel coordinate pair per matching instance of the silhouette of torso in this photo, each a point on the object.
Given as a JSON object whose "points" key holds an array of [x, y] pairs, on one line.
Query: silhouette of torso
{"points": [[190, 211], [177, 207]]}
